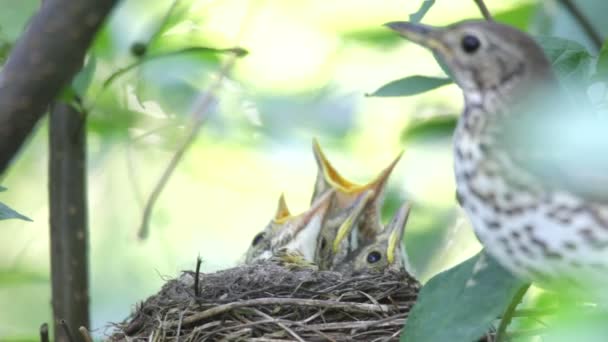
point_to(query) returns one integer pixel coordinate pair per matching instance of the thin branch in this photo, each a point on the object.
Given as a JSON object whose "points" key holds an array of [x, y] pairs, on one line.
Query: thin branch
{"points": [[484, 10], [84, 333], [199, 115], [239, 52], [44, 332], [501, 332], [199, 261], [584, 22]]}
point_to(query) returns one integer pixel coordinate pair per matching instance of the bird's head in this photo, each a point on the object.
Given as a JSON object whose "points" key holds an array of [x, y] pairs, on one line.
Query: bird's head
{"points": [[483, 57]]}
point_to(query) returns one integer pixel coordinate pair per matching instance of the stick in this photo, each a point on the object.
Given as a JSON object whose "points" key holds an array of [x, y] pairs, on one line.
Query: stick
{"points": [[484, 10]]}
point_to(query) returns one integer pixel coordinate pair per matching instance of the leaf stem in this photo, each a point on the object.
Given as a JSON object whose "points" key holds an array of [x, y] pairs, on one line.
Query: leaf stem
{"points": [[501, 333], [484, 10]]}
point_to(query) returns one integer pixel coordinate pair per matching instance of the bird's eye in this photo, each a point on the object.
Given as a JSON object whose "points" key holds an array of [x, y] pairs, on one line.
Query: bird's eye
{"points": [[373, 257], [470, 43], [257, 239]]}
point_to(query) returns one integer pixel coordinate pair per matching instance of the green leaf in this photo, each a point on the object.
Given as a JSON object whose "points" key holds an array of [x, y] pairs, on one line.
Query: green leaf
{"points": [[461, 303], [428, 129], [424, 8], [570, 60], [7, 213], [84, 77], [411, 85], [601, 71], [67, 94], [519, 17], [379, 37], [2, 188]]}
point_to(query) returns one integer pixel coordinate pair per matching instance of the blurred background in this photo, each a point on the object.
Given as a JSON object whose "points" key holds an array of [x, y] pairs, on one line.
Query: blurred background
{"points": [[310, 65]]}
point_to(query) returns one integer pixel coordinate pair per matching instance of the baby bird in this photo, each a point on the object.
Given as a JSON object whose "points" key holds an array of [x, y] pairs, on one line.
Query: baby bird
{"points": [[385, 252], [288, 235], [348, 196], [330, 252]]}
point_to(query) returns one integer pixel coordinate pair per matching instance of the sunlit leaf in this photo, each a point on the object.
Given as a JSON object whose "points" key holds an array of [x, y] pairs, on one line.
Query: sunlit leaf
{"points": [[411, 85], [429, 129], [424, 8], [380, 37], [17, 277], [460, 304], [519, 16], [8, 213]]}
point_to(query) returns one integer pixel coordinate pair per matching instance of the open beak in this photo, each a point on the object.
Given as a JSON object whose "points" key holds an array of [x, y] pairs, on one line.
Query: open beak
{"points": [[347, 226], [396, 228], [420, 34]]}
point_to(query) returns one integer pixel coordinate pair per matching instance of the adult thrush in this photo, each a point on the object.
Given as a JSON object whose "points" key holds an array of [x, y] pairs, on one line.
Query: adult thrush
{"points": [[530, 160]]}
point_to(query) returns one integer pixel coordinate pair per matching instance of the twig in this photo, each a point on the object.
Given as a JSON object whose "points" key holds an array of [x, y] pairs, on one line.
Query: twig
{"points": [[66, 329], [239, 52], [179, 325], [501, 332], [199, 116], [281, 325], [44, 332], [86, 336], [534, 312], [584, 22], [389, 321], [197, 274], [484, 10], [353, 307]]}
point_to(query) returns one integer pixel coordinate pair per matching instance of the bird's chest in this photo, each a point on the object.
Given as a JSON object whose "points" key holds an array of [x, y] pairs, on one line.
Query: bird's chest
{"points": [[539, 235]]}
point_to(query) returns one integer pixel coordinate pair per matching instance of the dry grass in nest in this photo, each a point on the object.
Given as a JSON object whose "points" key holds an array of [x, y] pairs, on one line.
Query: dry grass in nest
{"points": [[267, 302]]}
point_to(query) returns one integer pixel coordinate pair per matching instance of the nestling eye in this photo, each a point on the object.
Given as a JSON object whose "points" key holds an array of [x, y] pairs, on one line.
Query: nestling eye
{"points": [[373, 257], [470, 43], [257, 239]]}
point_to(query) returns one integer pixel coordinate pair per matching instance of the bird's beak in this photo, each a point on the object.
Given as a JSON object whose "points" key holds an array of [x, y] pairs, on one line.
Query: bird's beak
{"points": [[420, 34], [396, 228], [347, 226]]}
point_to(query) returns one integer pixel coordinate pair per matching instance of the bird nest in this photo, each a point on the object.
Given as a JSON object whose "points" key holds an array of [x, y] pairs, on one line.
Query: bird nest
{"points": [[269, 302]]}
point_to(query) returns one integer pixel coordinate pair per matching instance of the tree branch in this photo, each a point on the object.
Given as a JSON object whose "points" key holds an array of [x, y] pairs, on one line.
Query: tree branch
{"points": [[584, 22], [42, 62], [484, 10], [68, 217]]}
